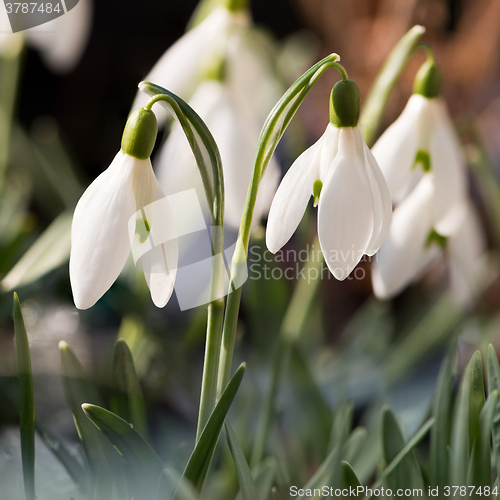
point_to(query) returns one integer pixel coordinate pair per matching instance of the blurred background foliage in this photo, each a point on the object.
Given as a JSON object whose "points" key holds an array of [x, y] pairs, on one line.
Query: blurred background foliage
{"points": [[59, 130]]}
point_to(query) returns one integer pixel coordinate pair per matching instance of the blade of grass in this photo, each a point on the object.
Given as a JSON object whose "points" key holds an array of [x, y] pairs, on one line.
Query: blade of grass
{"points": [[127, 401], [440, 432], [481, 454], [494, 385], [143, 467], [350, 478], [247, 486], [26, 401], [466, 420], [412, 443], [407, 474], [199, 462]]}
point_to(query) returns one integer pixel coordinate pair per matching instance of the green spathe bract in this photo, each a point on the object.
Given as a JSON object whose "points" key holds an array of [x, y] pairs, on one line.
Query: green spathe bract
{"points": [[140, 133], [428, 80], [344, 104]]}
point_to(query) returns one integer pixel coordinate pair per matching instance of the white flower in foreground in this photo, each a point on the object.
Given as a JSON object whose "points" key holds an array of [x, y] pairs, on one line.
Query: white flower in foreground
{"points": [[100, 242], [340, 172], [236, 134], [420, 157]]}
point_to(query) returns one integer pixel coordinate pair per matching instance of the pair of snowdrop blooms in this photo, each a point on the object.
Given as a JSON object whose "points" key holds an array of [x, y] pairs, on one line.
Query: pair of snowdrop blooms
{"points": [[354, 206], [420, 157]]}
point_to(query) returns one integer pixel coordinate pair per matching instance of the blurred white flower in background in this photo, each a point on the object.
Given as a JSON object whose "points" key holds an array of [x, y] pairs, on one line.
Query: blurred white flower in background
{"points": [[61, 41], [420, 157], [236, 132], [234, 105]]}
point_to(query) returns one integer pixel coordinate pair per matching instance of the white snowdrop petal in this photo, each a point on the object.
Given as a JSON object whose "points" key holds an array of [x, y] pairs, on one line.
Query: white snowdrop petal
{"points": [[346, 207], [403, 255], [397, 147], [468, 264], [99, 234], [448, 169], [382, 201], [290, 201], [160, 264]]}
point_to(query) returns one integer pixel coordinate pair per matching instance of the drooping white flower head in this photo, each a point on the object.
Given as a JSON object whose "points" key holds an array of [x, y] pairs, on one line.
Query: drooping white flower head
{"points": [[340, 172], [100, 236], [61, 41], [420, 157], [236, 133]]}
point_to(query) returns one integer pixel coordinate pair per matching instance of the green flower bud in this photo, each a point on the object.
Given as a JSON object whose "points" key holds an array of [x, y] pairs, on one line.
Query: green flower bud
{"points": [[344, 104], [140, 133], [428, 80]]}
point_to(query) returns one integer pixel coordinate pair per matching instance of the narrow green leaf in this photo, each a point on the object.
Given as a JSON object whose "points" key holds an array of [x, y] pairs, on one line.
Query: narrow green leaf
{"points": [[494, 385], [466, 420], [199, 462], [350, 478], [479, 473], [375, 103], [245, 480], [440, 431], [127, 401], [355, 444], [265, 477], [26, 401], [48, 252], [403, 454], [143, 467], [407, 474]]}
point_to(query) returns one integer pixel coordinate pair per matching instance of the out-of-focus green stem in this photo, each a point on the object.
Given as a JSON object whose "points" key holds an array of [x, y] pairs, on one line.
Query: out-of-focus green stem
{"points": [[374, 107], [273, 130]]}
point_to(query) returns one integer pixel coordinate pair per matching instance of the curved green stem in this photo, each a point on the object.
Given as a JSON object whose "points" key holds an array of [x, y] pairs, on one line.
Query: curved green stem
{"points": [[274, 128], [199, 136]]}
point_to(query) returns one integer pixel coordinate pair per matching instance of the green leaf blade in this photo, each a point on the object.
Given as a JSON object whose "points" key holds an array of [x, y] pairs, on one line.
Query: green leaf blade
{"points": [[127, 401], [247, 486], [199, 462], [26, 400]]}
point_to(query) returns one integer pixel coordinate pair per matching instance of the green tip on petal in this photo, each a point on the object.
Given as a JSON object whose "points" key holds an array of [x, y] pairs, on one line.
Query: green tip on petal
{"points": [[317, 187], [428, 80], [422, 158], [140, 133], [215, 69], [434, 238], [345, 104]]}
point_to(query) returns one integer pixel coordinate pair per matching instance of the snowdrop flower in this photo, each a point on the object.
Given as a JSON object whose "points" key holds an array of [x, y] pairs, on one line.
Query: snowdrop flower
{"points": [[423, 136], [236, 134], [100, 238], [421, 159], [226, 33], [340, 172], [60, 41]]}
